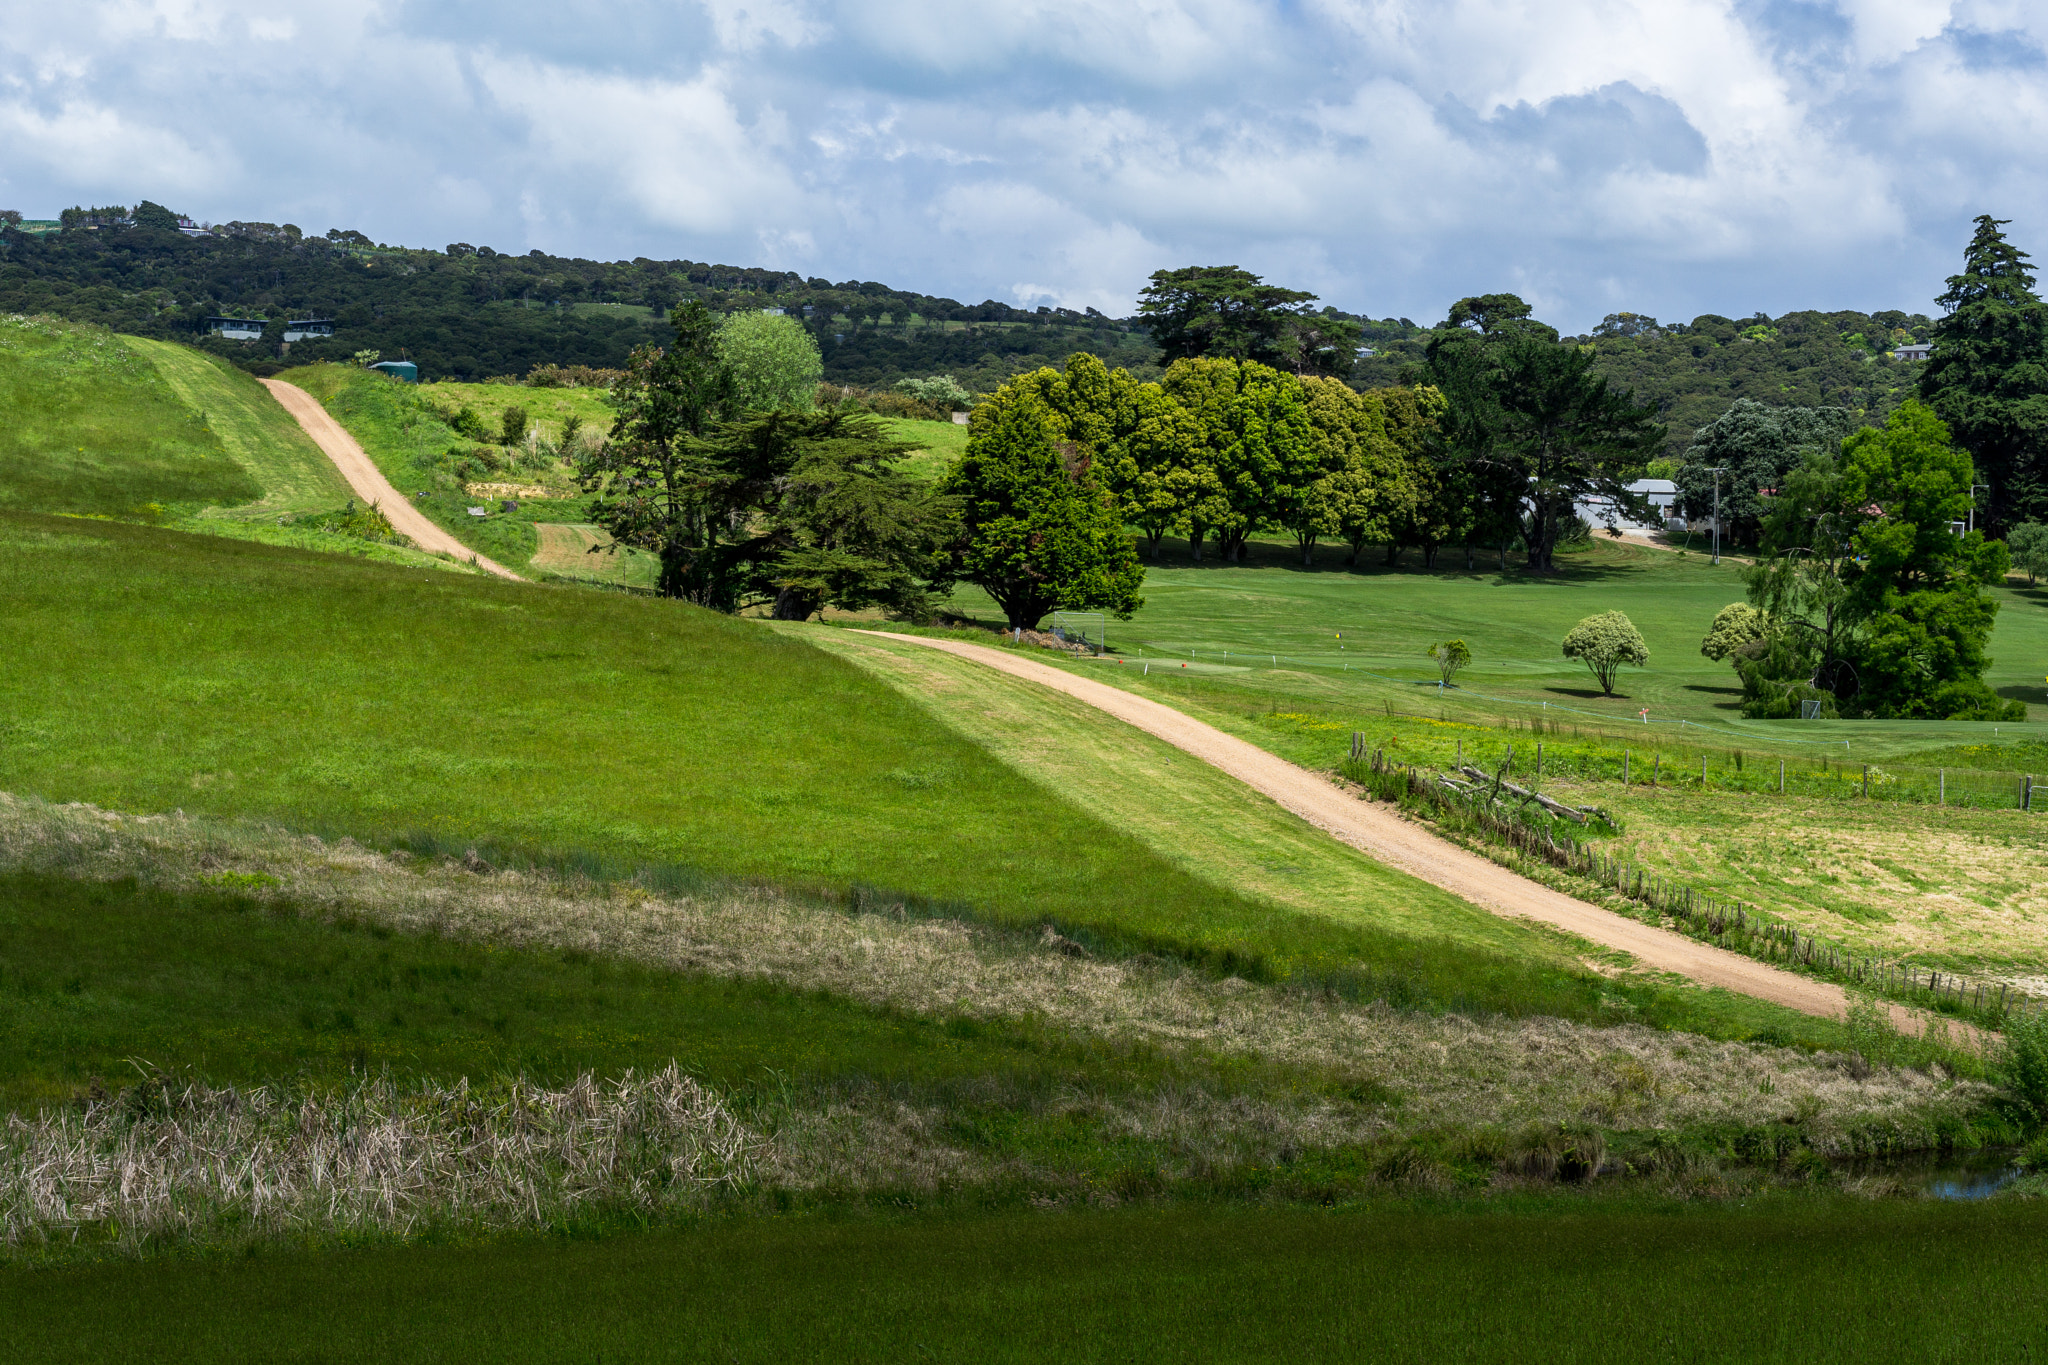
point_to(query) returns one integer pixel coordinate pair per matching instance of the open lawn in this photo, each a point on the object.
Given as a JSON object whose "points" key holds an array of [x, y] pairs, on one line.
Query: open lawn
{"points": [[1555, 1279], [1236, 618], [580, 551]]}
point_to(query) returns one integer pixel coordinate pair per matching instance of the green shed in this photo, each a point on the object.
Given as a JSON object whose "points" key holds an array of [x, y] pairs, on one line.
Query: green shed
{"points": [[399, 369]]}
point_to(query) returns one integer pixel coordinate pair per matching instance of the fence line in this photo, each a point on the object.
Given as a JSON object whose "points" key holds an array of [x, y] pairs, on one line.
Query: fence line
{"points": [[1732, 925]]}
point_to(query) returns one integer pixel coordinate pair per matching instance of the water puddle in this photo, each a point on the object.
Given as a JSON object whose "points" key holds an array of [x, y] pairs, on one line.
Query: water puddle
{"points": [[1960, 1177]]}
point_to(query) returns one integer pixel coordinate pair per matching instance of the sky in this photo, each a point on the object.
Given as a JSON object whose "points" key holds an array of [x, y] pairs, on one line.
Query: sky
{"points": [[1669, 157]]}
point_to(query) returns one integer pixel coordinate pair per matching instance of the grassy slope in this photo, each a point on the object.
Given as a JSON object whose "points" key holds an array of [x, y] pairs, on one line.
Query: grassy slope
{"points": [[87, 425], [188, 672], [400, 432], [1192, 814], [1951, 888], [1554, 1279], [1512, 623], [96, 975], [259, 435], [940, 444]]}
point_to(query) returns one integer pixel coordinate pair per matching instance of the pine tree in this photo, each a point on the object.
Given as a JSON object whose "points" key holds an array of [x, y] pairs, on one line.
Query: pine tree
{"points": [[1988, 376]]}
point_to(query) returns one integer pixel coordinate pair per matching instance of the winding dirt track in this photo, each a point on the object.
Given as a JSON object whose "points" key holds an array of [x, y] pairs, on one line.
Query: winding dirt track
{"points": [[1374, 830], [369, 482]]}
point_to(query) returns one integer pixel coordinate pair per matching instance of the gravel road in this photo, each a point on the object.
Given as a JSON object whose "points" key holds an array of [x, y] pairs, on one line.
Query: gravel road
{"points": [[369, 482], [1374, 829]]}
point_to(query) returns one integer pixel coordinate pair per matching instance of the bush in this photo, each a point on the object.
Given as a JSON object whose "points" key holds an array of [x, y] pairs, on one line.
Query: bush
{"points": [[938, 391], [1605, 644], [2023, 1066], [512, 426], [881, 402], [1450, 656], [571, 377]]}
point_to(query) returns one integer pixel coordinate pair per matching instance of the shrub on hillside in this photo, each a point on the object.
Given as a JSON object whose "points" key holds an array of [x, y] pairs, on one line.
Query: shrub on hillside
{"points": [[881, 402], [571, 377]]}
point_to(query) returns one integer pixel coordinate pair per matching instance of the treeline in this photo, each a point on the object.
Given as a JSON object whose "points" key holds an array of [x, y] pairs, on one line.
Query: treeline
{"points": [[471, 312], [1692, 372]]}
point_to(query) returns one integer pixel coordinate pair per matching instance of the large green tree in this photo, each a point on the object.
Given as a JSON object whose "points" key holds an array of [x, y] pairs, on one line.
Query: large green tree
{"points": [[840, 525], [1873, 599], [1037, 531], [775, 363], [1533, 421], [1225, 312], [655, 489], [1755, 447], [1253, 445], [1988, 376]]}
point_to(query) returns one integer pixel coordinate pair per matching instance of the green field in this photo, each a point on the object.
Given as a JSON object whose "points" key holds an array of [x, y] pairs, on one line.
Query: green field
{"points": [[1271, 626], [1555, 1280], [186, 672], [87, 425]]}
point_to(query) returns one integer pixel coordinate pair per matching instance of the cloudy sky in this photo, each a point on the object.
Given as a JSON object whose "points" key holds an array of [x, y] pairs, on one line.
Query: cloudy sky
{"points": [[1663, 156]]}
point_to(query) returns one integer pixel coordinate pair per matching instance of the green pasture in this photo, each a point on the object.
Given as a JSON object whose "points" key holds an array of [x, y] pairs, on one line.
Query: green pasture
{"points": [[939, 445], [1555, 1279], [342, 697], [1270, 627], [294, 474], [88, 425], [97, 424]]}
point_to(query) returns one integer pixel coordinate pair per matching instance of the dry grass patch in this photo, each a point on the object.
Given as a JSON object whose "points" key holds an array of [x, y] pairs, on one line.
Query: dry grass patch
{"points": [[1426, 1072], [1947, 886]]}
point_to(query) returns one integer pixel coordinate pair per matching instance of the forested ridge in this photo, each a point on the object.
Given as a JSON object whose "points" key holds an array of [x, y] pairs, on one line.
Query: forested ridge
{"points": [[471, 312]]}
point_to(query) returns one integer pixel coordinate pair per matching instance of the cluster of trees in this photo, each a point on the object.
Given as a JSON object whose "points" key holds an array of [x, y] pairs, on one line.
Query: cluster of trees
{"points": [[1693, 372], [1870, 592], [749, 494], [1867, 600], [470, 311]]}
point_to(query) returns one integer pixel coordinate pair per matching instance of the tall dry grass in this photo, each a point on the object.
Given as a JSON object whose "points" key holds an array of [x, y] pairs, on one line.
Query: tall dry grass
{"points": [[1447, 1071], [183, 1161]]}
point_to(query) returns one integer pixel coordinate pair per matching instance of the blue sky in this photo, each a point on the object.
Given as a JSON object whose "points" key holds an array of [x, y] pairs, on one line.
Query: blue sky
{"points": [[1669, 156]]}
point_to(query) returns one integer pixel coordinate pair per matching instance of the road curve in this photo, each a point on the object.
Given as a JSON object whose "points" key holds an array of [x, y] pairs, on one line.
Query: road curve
{"points": [[369, 482], [1375, 830]]}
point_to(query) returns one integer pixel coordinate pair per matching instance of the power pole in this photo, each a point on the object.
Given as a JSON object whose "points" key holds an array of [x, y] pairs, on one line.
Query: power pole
{"points": [[1717, 471]]}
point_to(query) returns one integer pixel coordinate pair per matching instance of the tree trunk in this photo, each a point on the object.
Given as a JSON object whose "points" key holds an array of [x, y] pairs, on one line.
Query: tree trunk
{"points": [[1470, 562], [1393, 553], [1308, 550], [791, 605]]}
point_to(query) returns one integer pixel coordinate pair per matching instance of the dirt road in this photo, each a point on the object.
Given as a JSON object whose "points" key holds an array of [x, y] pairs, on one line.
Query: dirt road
{"points": [[1375, 830], [369, 482]]}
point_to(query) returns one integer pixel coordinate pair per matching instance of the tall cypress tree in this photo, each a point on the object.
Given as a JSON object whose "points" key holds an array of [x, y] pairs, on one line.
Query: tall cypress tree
{"points": [[1988, 376]]}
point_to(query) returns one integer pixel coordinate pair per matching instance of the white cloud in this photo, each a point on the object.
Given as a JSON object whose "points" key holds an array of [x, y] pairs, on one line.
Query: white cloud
{"points": [[1670, 156]]}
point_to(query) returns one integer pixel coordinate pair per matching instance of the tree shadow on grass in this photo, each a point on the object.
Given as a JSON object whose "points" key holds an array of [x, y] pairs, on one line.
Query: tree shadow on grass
{"points": [[1587, 694], [1268, 555]]}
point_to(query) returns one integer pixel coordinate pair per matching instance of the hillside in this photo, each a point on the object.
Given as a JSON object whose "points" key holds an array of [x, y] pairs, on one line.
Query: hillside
{"points": [[468, 312], [97, 424]]}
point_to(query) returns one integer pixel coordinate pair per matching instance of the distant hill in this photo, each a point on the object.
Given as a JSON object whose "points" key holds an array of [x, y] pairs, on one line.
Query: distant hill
{"points": [[468, 312], [1694, 371]]}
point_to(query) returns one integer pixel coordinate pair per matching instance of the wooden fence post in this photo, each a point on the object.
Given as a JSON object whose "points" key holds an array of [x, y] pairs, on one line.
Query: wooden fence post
{"points": [[1781, 777], [1624, 767], [1539, 758], [1866, 780]]}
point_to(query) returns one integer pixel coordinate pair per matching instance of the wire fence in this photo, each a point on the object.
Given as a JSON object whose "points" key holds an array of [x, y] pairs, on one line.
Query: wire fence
{"points": [[1733, 925], [1559, 751]]}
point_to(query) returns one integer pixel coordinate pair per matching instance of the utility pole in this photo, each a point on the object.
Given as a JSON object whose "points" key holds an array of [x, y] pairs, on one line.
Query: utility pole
{"points": [[1717, 471], [1973, 503]]}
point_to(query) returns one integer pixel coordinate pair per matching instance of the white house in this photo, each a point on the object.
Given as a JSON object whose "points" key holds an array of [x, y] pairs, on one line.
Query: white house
{"points": [[237, 329], [1916, 350], [1663, 496]]}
